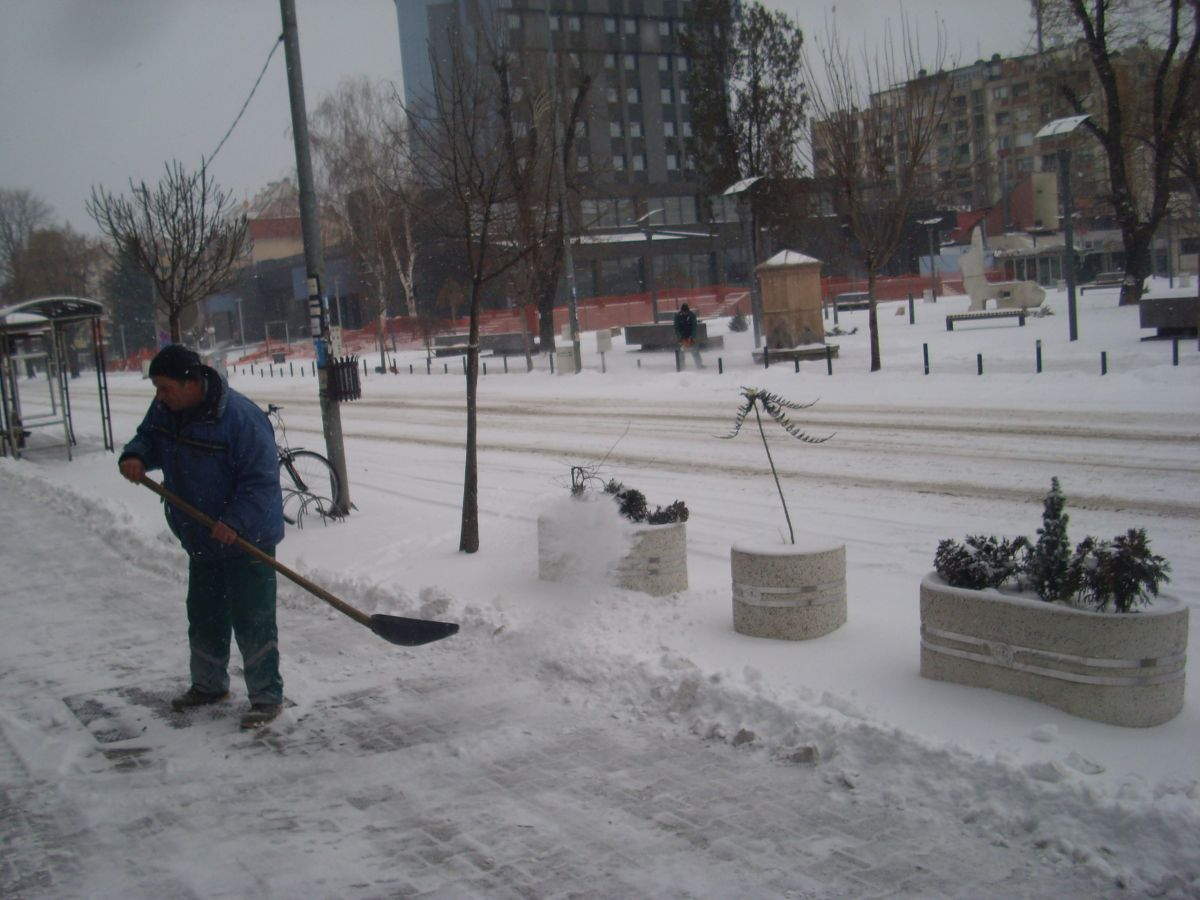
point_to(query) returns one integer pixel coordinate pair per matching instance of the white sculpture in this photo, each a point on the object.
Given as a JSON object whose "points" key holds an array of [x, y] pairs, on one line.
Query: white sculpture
{"points": [[1007, 294]]}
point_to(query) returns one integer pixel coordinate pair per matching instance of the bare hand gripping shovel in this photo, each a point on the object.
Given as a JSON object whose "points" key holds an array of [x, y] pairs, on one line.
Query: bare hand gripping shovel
{"points": [[396, 629]]}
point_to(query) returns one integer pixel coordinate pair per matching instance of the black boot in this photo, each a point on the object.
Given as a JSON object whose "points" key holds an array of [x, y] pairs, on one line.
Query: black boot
{"points": [[194, 697], [261, 714]]}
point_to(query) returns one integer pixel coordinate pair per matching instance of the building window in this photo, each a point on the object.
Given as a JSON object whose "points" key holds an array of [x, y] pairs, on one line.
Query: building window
{"points": [[639, 162], [514, 22], [664, 28], [667, 96], [610, 60], [672, 162], [1001, 119], [664, 64], [614, 129], [581, 162], [610, 24], [631, 26], [668, 128], [1025, 139], [574, 23], [687, 129], [1000, 92], [581, 129], [683, 96], [1189, 245], [633, 95], [635, 129], [611, 92], [619, 162], [629, 62], [1020, 90], [555, 23], [681, 64]]}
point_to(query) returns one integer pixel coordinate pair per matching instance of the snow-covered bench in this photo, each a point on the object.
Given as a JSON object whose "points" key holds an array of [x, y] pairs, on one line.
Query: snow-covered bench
{"points": [[1019, 314]]}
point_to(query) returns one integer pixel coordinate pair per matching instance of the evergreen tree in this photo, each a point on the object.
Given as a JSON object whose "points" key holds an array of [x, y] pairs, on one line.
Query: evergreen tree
{"points": [[129, 293], [1050, 557]]}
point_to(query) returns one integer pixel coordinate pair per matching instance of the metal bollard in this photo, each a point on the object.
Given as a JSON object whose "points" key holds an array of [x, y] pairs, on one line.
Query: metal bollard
{"points": [[828, 360], [979, 362], [720, 366], [1038, 355], [925, 354], [1103, 362], [912, 315]]}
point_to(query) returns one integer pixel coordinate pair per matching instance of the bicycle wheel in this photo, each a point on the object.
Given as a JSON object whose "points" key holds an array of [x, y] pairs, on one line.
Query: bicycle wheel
{"points": [[309, 485]]}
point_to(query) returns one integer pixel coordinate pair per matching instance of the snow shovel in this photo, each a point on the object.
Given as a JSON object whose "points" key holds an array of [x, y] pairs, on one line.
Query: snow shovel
{"points": [[396, 629]]}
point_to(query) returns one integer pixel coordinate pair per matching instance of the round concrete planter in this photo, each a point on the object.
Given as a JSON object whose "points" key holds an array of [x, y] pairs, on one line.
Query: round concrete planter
{"points": [[653, 562], [1120, 668], [791, 592], [656, 563]]}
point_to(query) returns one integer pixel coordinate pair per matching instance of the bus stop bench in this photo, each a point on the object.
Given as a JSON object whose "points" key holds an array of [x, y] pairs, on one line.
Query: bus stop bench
{"points": [[662, 337], [1104, 280], [853, 300], [1018, 314]]}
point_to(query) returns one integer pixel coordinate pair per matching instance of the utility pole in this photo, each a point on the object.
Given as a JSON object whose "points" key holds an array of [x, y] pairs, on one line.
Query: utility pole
{"points": [[314, 262], [560, 184]]}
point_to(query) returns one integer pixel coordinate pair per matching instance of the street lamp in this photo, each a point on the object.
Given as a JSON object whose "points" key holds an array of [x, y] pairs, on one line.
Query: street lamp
{"points": [[241, 324], [1055, 129], [739, 190], [932, 224], [643, 222]]}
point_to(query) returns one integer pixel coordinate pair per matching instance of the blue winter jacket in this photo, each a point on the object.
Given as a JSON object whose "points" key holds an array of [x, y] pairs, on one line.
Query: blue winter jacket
{"points": [[221, 458]]}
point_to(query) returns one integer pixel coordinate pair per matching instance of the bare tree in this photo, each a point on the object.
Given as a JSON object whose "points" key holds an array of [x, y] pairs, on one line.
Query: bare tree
{"points": [[875, 122], [358, 134], [56, 261], [466, 191], [21, 214], [537, 137], [183, 233], [1145, 89]]}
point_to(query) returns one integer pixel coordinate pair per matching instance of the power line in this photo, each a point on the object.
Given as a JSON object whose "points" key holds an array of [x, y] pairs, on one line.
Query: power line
{"points": [[238, 118]]}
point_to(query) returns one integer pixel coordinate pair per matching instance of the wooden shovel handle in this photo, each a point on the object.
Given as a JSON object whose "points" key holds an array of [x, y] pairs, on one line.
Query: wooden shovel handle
{"points": [[204, 519]]}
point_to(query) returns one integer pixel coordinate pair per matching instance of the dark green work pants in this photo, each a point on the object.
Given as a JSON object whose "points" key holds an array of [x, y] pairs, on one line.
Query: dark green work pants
{"points": [[234, 594]]}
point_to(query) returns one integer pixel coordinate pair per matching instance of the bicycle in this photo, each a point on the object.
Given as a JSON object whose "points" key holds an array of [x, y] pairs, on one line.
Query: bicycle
{"points": [[308, 481]]}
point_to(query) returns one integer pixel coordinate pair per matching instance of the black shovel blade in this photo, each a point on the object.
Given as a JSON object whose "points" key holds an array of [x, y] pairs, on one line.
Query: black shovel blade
{"points": [[411, 632]]}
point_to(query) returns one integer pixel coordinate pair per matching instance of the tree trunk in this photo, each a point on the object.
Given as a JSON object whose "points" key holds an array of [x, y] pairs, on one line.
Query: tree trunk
{"points": [[382, 343], [873, 321], [173, 320], [469, 537], [545, 305], [1137, 265]]}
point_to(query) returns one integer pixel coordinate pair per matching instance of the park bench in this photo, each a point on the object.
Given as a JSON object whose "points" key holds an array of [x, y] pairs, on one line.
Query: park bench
{"points": [[1018, 314], [1172, 316], [1104, 280], [853, 300], [662, 337]]}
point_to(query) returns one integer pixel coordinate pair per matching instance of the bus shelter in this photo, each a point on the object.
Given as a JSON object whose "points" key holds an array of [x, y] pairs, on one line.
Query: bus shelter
{"points": [[36, 338]]}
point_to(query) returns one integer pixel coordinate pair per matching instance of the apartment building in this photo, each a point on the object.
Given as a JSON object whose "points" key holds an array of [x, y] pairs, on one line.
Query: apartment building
{"points": [[632, 156]]}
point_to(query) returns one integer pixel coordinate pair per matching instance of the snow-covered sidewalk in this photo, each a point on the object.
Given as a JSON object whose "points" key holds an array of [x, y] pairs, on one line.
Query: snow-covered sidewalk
{"points": [[492, 765]]}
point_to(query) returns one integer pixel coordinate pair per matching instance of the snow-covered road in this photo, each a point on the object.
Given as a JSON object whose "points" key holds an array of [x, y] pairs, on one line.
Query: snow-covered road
{"points": [[492, 765]]}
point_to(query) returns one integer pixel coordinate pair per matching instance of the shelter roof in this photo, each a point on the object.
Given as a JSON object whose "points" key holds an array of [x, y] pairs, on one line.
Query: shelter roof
{"points": [[57, 309]]}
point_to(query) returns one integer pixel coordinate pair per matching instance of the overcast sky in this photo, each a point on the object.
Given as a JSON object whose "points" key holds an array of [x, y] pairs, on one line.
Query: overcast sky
{"points": [[98, 91]]}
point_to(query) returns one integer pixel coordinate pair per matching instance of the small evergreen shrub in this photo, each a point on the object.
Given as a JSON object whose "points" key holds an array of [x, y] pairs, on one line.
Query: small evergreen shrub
{"points": [[633, 506], [1048, 558], [981, 562], [1121, 572], [738, 322]]}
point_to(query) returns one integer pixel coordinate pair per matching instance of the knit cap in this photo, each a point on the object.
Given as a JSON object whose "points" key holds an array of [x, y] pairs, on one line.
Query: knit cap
{"points": [[176, 361]]}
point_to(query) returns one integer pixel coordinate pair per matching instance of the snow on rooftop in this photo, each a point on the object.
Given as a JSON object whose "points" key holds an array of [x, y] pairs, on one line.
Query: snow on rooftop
{"points": [[788, 258]]}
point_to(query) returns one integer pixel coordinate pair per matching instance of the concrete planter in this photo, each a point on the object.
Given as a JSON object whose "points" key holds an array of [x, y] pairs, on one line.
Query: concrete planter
{"points": [[652, 558], [791, 592], [1120, 668]]}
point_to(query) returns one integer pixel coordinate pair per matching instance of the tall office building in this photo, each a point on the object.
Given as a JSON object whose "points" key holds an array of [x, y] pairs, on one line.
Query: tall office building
{"points": [[632, 156]]}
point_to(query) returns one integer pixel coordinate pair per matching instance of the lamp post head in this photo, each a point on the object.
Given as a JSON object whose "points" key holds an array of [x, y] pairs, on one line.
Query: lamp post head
{"points": [[1060, 127]]}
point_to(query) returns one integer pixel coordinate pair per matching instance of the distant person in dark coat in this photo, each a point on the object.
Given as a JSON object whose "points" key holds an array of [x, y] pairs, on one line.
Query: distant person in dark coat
{"points": [[685, 333], [216, 449]]}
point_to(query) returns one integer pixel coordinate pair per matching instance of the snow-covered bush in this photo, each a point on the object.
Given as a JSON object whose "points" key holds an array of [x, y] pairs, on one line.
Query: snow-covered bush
{"points": [[1120, 573], [632, 505], [738, 322], [982, 561]]}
